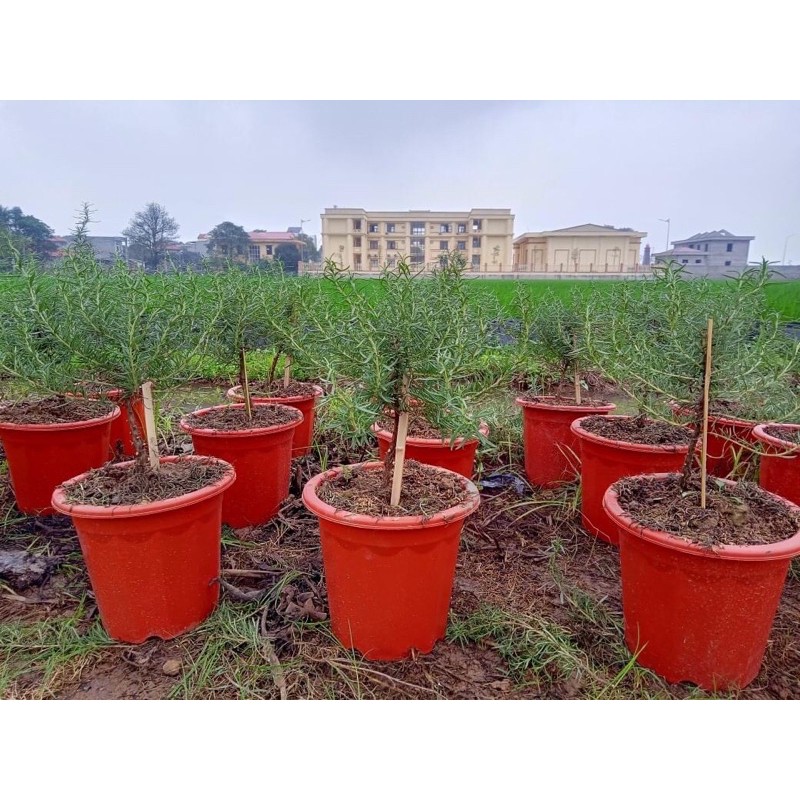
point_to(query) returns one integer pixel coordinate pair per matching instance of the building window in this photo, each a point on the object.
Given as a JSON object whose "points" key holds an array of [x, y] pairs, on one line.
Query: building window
{"points": [[357, 260], [373, 262], [356, 241], [462, 228], [268, 248], [390, 227], [476, 225], [727, 263], [462, 245], [417, 251], [685, 261], [698, 261], [706, 248], [417, 228], [373, 244], [446, 227], [356, 224], [476, 242], [391, 245], [254, 252], [443, 244], [476, 260], [373, 227], [729, 248]]}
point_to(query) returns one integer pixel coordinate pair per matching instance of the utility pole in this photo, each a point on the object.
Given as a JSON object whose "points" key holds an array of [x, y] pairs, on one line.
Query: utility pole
{"points": [[667, 220]]}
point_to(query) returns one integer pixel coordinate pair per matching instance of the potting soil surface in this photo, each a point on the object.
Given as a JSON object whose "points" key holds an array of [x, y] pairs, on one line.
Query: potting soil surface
{"points": [[54, 409], [637, 430], [425, 491], [277, 389], [741, 514], [113, 485], [418, 426], [263, 415], [791, 435]]}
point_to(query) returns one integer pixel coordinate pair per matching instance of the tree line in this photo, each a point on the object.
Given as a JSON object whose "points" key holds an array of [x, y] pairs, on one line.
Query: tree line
{"points": [[151, 233]]}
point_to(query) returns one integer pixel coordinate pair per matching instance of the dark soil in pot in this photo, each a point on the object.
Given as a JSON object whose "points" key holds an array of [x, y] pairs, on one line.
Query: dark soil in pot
{"points": [[56, 409], [418, 426], [637, 430], [736, 514], [790, 435], [234, 418], [562, 400], [426, 491], [277, 389], [115, 485]]}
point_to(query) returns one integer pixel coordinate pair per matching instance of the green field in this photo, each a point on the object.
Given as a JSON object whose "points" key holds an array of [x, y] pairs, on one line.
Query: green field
{"points": [[784, 296]]}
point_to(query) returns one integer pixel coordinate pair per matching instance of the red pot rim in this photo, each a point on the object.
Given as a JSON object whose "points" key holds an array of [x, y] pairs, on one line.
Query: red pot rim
{"points": [[71, 426], [526, 403], [636, 447], [736, 422], [421, 441], [788, 548], [318, 392], [238, 434], [322, 509], [760, 433], [60, 503]]}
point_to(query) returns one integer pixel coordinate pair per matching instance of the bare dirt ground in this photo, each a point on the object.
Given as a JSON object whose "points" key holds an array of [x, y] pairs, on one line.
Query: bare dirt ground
{"points": [[536, 613]]}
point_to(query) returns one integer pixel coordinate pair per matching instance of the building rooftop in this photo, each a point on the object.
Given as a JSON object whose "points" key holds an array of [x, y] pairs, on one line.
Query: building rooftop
{"points": [[709, 236], [588, 228], [262, 236]]}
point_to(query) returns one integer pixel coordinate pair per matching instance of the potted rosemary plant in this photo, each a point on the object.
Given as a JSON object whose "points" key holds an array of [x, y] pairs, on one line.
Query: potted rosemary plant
{"points": [[703, 560], [282, 306], [48, 438], [256, 438], [390, 529], [150, 528], [550, 339]]}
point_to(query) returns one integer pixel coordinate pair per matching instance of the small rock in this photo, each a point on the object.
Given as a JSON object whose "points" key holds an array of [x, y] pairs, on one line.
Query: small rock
{"points": [[171, 667]]}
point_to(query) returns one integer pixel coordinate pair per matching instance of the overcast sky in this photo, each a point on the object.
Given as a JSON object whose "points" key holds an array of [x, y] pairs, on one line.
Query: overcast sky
{"points": [[705, 165]]}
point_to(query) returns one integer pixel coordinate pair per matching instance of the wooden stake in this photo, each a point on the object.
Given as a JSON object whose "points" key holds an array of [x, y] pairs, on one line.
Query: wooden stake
{"points": [[577, 373], [248, 405], [706, 390], [399, 458], [150, 425], [287, 372]]}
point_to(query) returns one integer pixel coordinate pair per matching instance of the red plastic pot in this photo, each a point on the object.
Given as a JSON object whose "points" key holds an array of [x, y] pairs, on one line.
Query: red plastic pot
{"points": [[41, 456], [779, 465], [724, 454], [389, 579], [551, 448], [604, 461], [304, 432], [154, 567], [696, 614], [262, 458], [457, 457], [121, 427]]}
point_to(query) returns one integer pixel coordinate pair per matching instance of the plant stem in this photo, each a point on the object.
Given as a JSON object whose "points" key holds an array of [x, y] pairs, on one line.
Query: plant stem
{"points": [[577, 376], [273, 366]]}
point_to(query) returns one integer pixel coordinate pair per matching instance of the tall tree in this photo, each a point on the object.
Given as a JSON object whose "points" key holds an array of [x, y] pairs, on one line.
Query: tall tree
{"points": [[149, 233], [310, 252], [289, 254], [25, 233], [228, 240]]}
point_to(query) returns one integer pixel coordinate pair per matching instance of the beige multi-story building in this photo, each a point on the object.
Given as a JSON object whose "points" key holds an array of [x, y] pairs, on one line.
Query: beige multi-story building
{"points": [[581, 249], [365, 241]]}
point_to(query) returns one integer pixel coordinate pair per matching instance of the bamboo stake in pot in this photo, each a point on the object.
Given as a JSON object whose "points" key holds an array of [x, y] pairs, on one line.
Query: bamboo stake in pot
{"points": [[150, 426], [706, 390], [248, 407]]}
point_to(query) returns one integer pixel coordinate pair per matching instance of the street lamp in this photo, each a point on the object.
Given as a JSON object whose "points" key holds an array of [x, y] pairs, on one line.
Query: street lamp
{"points": [[667, 220], [786, 247]]}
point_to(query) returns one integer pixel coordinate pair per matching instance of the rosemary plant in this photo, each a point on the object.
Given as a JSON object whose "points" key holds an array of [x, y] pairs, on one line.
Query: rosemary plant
{"points": [[410, 342]]}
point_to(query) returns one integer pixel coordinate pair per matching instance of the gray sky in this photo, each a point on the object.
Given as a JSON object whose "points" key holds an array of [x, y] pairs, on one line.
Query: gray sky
{"points": [[267, 164]]}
